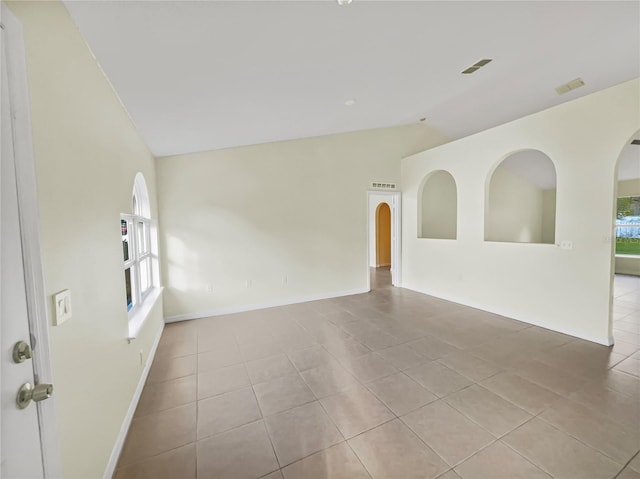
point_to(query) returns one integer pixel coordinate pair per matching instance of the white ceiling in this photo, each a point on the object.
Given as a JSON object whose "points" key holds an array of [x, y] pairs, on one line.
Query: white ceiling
{"points": [[208, 75]]}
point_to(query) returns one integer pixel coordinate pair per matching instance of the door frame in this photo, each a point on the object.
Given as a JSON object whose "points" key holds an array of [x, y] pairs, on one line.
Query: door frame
{"points": [[395, 205], [26, 185]]}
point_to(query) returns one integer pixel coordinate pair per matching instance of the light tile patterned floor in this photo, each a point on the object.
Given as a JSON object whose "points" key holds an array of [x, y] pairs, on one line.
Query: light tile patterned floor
{"points": [[390, 384]]}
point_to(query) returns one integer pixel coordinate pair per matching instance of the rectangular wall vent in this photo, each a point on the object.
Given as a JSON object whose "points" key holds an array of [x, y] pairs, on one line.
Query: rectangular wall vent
{"points": [[572, 85], [383, 186], [476, 66]]}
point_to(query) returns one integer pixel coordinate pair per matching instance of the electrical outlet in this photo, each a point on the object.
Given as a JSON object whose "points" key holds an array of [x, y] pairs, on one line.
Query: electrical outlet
{"points": [[249, 283], [566, 244], [209, 288]]}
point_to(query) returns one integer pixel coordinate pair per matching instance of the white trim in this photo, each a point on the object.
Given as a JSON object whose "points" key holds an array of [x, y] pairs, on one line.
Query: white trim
{"points": [[142, 313], [604, 340], [126, 423], [1, 80], [396, 235], [30, 236], [271, 304]]}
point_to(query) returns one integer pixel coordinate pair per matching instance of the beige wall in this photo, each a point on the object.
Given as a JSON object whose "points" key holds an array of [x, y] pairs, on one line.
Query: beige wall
{"points": [[242, 220], [438, 218], [564, 290], [515, 209], [549, 216], [87, 154], [629, 188]]}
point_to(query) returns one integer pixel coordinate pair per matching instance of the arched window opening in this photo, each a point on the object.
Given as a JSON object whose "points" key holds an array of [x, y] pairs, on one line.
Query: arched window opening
{"points": [[521, 205], [438, 207], [139, 247]]}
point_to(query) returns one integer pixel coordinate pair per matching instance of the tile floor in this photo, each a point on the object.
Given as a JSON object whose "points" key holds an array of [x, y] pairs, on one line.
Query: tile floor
{"points": [[390, 384]]}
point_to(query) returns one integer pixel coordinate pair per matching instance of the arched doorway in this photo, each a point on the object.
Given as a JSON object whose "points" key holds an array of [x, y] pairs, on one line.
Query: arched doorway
{"points": [[383, 235], [625, 320]]}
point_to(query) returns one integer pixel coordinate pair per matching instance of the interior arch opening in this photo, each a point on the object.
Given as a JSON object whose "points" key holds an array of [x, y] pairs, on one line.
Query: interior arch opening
{"points": [[626, 249], [521, 206], [383, 235], [438, 209]]}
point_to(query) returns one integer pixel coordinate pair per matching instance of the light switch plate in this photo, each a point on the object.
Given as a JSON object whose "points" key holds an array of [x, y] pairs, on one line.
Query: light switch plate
{"points": [[62, 307]]}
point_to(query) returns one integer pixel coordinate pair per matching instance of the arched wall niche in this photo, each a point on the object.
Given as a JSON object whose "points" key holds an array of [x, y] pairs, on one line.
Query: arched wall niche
{"points": [[438, 206], [521, 199]]}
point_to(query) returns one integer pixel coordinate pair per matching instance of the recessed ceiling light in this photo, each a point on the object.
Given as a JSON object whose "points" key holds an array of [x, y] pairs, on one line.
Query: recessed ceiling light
{"points": [[350, 102], [344, 2]]}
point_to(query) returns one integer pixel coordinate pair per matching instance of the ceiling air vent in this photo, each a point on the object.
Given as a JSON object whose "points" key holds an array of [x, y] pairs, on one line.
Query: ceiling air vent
{"points": [[383, 186], [572, 85], [476, 66], [635, 142]]}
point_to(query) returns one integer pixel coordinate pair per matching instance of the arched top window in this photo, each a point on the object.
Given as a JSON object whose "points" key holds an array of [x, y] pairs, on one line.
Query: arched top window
{"points": [[139, 245], [521, 200], [140, 198], [438, 207]]}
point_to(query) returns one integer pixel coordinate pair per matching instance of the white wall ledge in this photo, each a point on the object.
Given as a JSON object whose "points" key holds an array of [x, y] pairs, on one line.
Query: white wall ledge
{"points": [[138, 318]]}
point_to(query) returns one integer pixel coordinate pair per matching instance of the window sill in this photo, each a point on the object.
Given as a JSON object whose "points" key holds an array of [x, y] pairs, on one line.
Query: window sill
{"points": [[633, 256], [137, 320]]}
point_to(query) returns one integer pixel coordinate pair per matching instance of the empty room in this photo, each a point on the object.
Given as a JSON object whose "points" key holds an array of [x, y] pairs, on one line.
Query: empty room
{"points": [[332, 239]]}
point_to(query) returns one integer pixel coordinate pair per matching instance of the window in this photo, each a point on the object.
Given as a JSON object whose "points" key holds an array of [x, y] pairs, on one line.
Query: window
{"points": [[138, 249], [628, 225]]}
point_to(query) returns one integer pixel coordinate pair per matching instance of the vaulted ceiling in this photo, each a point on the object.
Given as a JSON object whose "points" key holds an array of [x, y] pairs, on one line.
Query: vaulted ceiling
{"points": [[209, 74]]}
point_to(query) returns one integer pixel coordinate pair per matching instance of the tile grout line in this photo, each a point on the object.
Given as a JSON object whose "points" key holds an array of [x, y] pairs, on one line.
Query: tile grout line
{"points": [[627, 465], [262, 417]]}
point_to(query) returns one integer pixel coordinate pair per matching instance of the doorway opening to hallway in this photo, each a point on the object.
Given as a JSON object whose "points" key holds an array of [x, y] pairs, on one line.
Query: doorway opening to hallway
{"points": [[383, 259]]}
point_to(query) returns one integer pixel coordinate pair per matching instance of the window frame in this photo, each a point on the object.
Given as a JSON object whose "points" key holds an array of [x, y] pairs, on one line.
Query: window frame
{"points": [[142, 259], [139, 252]]}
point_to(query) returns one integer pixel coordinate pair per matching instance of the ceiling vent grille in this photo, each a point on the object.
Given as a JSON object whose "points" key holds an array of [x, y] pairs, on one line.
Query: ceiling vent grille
{"points": [[383, 186], [476, 66], [635, 142], [572, 85]]}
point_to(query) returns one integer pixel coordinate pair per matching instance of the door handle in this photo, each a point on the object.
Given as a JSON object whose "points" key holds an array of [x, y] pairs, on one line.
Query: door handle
{"points": [[21, 352], [37, 393]]}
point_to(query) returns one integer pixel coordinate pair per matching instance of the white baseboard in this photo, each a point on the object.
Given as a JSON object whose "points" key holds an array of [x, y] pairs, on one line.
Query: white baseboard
{"points": [[271, 304], [605, 340], [126, 423]]}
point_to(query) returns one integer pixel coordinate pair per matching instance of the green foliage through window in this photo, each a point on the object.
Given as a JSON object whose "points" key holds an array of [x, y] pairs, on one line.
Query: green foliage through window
{"points": [[628, 225]]}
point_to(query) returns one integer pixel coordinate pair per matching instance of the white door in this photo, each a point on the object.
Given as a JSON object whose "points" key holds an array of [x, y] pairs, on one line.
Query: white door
{"points": [[20, 445]]}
